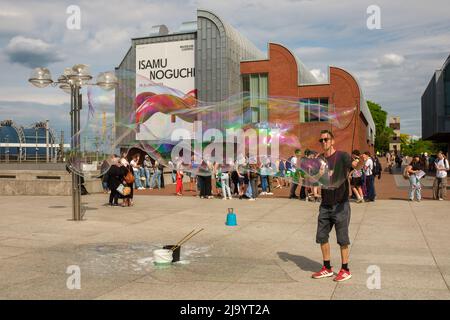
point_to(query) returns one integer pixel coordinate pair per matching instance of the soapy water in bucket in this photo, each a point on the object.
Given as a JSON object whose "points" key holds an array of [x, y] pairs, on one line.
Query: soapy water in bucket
{"points": [[181, 132]]}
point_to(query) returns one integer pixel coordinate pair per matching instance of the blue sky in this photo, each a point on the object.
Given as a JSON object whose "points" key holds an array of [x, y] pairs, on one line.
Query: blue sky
{"points": [[393, 65]]}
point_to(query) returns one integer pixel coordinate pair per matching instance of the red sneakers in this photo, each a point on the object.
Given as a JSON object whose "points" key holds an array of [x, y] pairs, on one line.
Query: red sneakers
{"points": [[343, 275], [323, 273]]}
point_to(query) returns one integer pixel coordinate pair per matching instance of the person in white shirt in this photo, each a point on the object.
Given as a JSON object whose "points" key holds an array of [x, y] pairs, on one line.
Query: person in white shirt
{"points": [[369, 178], [440, 182], [137, 171], [295, 181]]}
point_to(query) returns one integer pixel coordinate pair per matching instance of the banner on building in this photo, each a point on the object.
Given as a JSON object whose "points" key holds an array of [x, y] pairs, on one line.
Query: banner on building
{"points": [[165, 82]]}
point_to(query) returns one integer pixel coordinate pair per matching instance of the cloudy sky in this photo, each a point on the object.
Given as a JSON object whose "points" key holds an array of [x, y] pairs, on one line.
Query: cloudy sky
{"points": [[393, 64]]}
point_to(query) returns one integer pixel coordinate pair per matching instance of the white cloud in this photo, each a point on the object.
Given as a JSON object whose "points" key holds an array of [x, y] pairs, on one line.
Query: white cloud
{"points": [[108, 38], [391, 60], [14, 20], [103, 99], [31, 52], [30, 94]]}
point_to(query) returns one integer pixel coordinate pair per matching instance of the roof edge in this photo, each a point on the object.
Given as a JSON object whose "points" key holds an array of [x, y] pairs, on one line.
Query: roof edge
{"points": [[363, 102]]}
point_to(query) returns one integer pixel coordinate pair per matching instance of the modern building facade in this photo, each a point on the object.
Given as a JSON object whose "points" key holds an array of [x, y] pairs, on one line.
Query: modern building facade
{"points": [[227, 64], [436, 106], [395, 143], [35, 142]]}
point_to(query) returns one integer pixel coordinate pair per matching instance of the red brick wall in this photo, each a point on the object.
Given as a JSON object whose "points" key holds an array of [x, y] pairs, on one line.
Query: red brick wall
{"points": [[342, 91]]}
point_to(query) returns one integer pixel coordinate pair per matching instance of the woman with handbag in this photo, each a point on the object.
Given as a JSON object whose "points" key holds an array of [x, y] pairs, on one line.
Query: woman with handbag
{"points": [[115, 177], [128, 181]]}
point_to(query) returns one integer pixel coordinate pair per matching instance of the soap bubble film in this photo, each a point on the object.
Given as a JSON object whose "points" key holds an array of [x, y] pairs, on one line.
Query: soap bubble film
{"points": [[180, 132]]}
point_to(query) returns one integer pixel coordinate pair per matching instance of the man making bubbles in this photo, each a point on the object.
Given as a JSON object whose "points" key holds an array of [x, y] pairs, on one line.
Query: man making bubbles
{"points": [[335, 208]]}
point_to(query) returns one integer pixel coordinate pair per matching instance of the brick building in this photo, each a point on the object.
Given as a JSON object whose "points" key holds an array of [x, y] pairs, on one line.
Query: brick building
{"points": [[287, 76]]}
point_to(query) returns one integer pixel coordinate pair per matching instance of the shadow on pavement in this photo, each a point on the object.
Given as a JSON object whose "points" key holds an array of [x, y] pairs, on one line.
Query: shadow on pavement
{"points": [[302, 262]]}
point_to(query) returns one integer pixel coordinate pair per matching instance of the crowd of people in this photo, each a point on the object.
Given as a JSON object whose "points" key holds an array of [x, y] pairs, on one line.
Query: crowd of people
{"points": [[243, 179], [249, 180], [415, 168]]}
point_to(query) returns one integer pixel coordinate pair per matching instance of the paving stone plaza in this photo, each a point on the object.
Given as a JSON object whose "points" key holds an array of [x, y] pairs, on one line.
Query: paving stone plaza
{"points": [[398, 250]]}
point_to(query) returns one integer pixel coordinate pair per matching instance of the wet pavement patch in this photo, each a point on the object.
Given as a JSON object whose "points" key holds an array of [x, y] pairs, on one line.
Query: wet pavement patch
{"points": [[127, 258]]}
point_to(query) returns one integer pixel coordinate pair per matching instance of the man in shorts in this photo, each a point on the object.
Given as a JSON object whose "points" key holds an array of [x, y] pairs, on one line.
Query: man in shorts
{"points": [[334, 209]]}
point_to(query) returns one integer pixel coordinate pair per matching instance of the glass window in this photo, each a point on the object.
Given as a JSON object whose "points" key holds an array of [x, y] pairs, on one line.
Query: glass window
{"points": [[263, 98], [323, 109], [304, 115], [255, 87], [314, 110], [246, 84]]}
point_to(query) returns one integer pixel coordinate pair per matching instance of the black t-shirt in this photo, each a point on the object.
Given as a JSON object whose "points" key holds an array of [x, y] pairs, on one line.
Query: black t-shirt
{"points": [[341, 164], [416, 166]]}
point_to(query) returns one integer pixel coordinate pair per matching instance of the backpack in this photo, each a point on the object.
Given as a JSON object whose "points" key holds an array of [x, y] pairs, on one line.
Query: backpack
{"points": [[376, 167]]}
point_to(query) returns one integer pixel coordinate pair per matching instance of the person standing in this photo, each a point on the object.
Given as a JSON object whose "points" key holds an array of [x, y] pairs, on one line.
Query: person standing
{"points": [[414, 170], [148, 168], [440, 181], [115, 178], [137, 171], [156, 178], [271, 173], [293, 173], [161, 174], [282, 171], [356, 180], [235, 180], [241, 169], [253, 180], [104, 172], [208, 180], [127, 168], [179, 187], [225, 181], [264, 177], [204, 176], [334, 208], [201, 179], [369, 177]]}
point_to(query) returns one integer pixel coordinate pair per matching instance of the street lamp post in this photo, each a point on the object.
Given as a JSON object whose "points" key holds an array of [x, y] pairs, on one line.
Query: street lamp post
{"points": [[71, 82]]}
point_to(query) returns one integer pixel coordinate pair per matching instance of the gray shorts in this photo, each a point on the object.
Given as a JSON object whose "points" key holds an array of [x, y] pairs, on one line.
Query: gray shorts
{"points": [[338, 216]]}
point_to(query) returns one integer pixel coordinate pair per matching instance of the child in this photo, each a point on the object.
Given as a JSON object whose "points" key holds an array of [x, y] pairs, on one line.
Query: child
{"points": [[179, 178]]}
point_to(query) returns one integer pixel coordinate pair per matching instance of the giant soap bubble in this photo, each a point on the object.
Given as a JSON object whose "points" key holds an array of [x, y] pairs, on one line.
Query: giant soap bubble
{"points": [[251, 133]]}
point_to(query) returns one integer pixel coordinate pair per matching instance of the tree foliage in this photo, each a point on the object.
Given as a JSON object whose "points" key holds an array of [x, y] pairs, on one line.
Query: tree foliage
{"points": [[412, 147], [383, 133]]}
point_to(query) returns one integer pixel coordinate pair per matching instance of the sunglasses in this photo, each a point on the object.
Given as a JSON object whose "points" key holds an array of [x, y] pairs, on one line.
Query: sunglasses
{"points": [[324, 139]]}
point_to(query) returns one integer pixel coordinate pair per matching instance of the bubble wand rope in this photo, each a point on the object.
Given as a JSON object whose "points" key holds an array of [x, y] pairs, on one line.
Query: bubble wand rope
{"points": [[185, 240], [179, 242]]}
